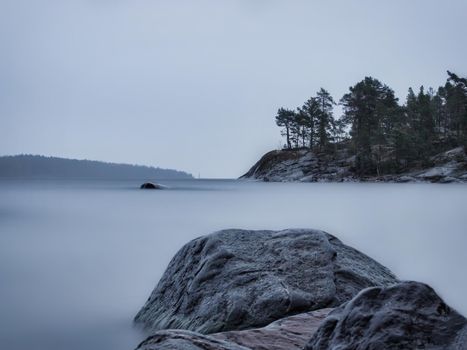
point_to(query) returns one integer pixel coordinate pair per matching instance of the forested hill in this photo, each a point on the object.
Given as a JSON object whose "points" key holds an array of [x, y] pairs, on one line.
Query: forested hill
{"points": [[376, 137], [33, 166]]}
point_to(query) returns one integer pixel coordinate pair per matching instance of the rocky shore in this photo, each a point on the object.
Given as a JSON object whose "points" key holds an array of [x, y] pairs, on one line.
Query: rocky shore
{"points": [[287, 290], [306, 166]]}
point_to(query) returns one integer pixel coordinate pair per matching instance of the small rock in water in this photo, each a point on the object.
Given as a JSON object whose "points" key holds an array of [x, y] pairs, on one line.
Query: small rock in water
{"points": [[151, 186]]}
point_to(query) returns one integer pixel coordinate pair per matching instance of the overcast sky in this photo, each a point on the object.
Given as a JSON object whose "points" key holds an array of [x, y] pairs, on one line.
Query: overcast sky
{"points": [[195, 85]]}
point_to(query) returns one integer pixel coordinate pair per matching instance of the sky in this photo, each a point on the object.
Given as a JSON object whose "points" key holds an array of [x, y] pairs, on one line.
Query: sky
{"points": [[194, 85]]}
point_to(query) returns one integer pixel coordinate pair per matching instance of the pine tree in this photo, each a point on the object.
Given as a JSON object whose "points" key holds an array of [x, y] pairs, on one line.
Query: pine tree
{"points": [[369, 108], [296, 128], [325, 119], [384, 136], [309, 112], [456, 104], [285, 119]]}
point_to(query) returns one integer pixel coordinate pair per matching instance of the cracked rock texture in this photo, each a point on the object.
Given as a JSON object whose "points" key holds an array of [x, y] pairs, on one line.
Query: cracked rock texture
{"points": [[289, 333], [240, 279], [306, 166], [178, 339], [408, 315]]}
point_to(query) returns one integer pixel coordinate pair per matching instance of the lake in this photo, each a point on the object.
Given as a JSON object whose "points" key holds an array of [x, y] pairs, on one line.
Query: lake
{"points": [[79, 258]]}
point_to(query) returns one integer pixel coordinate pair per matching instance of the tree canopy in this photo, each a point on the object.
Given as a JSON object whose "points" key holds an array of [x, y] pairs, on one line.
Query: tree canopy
{"points": [[383, 135]]}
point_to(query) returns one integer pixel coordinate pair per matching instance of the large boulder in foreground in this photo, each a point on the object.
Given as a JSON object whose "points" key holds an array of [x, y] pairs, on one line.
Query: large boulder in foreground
{"points": [[239, 279], [408, 315], [289, 333]]}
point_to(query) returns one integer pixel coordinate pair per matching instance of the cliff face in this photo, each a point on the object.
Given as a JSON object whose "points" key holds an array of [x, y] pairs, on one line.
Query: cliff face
{"points": [[307, 166]]}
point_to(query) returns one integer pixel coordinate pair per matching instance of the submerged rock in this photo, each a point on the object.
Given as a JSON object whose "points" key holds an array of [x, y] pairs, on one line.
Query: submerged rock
{"points": [[239, 279], [151, 186], [408, 315], [290, 333]]}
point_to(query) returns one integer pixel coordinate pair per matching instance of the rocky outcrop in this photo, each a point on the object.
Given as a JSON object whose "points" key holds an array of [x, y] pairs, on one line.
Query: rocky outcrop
{"points": [[290, 333], [408, 315], [302, 165], [239, 279], [186, 340], [221, 292], [306, 166]]}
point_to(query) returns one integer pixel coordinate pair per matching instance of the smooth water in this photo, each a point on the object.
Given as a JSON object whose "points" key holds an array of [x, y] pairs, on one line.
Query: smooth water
{"points": [[79, 258]]}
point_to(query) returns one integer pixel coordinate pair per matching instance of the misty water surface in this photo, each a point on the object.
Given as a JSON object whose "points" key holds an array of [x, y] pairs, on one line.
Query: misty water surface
{"points": [[79, 258]]}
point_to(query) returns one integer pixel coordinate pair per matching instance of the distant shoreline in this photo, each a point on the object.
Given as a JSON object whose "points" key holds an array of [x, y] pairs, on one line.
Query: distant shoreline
{"points": [[43, 167]]}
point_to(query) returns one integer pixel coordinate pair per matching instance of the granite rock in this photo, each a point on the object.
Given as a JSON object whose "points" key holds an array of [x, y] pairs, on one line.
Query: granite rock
{"points": [[407, 315], [240, 279], [289, 333]]}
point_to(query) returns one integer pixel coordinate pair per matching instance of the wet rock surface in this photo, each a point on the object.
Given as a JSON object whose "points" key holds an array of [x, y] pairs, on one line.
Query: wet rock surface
{"points": [[408, 315], [240, 279]]}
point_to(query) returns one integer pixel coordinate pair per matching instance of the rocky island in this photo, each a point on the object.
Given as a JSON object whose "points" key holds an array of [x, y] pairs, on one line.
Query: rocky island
{"points": [[287, 290], [375, 139]]}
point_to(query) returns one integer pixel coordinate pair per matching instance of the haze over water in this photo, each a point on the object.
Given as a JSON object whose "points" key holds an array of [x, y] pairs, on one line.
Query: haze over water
{"points": [[195, 85], [79, 258]]}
